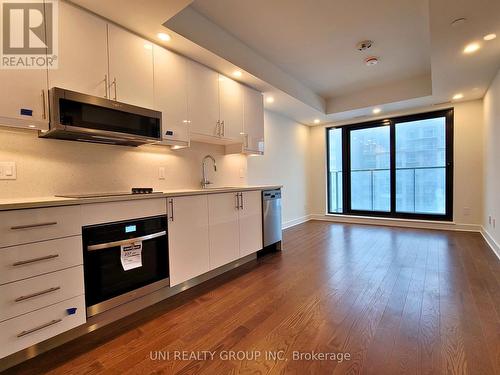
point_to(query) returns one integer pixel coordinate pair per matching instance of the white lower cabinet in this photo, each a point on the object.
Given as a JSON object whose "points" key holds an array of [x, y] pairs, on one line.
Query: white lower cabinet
{"points": [[250, 222], [31, 294], [187, 237], [28, 260], [235, 226], [34, 327], [224, 229], [208, 231]]}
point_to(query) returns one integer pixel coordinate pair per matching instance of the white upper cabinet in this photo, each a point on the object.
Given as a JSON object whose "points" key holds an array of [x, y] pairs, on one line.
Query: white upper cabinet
{"points": [[252, 136], [83, 59], [224, 229], [170, 92], [203, 95], [130, 68], [250, 222], [231, 108], [253, 123], [23, 98]]}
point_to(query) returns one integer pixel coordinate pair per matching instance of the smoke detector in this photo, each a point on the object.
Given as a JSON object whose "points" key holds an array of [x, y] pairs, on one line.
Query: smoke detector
{"points": [[372, 60], [364, 45]]}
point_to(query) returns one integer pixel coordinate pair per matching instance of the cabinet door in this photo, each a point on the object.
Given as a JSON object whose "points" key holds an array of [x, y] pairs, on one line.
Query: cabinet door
{"points": [[203, 96], [187, 237], [82, 65], [253, 120], [224, 232], [131, 64], [250, 223], [170, 78], [23, 98], [231, 107]]}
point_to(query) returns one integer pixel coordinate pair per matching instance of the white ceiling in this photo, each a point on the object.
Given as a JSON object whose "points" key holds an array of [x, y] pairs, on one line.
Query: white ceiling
{"points": [[315, 41], [303, 52]]}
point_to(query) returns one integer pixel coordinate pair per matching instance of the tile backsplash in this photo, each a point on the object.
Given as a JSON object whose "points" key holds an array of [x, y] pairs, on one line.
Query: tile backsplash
{"points": [[46, 167]]}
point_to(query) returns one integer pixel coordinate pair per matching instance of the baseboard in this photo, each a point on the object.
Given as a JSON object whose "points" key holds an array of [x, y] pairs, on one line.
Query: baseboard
{"points": [[405, 223], [294, 222], [491, 242]]}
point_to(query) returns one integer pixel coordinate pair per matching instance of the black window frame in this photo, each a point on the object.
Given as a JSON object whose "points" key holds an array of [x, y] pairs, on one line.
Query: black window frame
{"points": [[392, 121]]}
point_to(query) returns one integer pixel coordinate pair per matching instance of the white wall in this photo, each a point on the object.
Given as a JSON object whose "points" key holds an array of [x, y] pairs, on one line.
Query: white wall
{"points": [[468, 169], [492, 162], [285, 162], [46, 167]]}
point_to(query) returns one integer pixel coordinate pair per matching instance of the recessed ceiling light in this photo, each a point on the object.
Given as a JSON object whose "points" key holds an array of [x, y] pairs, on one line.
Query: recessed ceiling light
{"points": [[317, 121], [458, 96], [163, 36], [472, 47], [490, 37], [31, 126], [237, 73], [376, 110], [148, 46], [269, 99]]}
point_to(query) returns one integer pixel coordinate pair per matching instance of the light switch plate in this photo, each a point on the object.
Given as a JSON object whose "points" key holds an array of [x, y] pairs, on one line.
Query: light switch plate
{"points": [[161, 173], [8, 170]]}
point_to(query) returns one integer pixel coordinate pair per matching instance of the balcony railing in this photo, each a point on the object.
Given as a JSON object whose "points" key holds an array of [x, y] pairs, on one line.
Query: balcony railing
{"points": [[336, 188]]}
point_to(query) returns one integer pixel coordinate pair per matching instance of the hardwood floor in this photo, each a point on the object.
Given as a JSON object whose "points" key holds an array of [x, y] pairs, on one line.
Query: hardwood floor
{"points": [[398, 301]]}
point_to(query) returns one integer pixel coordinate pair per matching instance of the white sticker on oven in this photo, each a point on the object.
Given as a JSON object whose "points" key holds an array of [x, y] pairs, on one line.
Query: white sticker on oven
{"points": [[131, 255]]}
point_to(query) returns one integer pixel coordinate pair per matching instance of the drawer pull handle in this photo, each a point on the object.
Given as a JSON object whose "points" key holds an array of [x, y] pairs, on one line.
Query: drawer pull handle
{"points": [[29, 226], [24, 298], [27, 332], [23, 262]]}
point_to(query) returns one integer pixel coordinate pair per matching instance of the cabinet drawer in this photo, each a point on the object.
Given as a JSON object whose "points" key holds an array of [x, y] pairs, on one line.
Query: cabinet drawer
{"points": [[99, 213], [24, 296], [25, 226], [32, 328], [23, 261]]}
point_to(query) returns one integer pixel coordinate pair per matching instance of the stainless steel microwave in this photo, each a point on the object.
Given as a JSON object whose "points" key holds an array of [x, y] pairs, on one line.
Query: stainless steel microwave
{"points": [[87, 118]]}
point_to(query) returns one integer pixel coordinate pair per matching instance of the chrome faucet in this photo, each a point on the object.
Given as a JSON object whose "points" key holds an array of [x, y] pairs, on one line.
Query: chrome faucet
{"points": [[204, 180]]}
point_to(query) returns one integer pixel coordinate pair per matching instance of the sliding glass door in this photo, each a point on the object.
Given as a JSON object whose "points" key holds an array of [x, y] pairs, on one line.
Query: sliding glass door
{"points": [[370, 159], [398, 167], [421, 166]]}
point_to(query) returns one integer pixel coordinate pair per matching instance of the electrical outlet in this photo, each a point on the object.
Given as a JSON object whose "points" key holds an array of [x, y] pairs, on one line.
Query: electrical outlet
{"points": [[161, 173], [467, 211], [8, 170]]}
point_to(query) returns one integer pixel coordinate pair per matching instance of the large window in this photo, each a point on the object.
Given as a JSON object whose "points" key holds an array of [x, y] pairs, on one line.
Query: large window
{"points": [[399, 167]]}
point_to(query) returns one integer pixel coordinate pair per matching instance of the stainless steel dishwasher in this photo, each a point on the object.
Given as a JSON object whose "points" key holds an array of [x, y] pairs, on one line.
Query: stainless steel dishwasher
{"points": [[271, 212]]}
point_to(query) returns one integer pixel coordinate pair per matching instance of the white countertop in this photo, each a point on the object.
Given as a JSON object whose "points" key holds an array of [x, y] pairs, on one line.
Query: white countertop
{"points": [[52, 201]]}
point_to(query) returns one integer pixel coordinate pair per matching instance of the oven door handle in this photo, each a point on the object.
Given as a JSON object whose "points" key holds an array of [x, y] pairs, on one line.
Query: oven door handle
{"points": [[107, 245]]}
